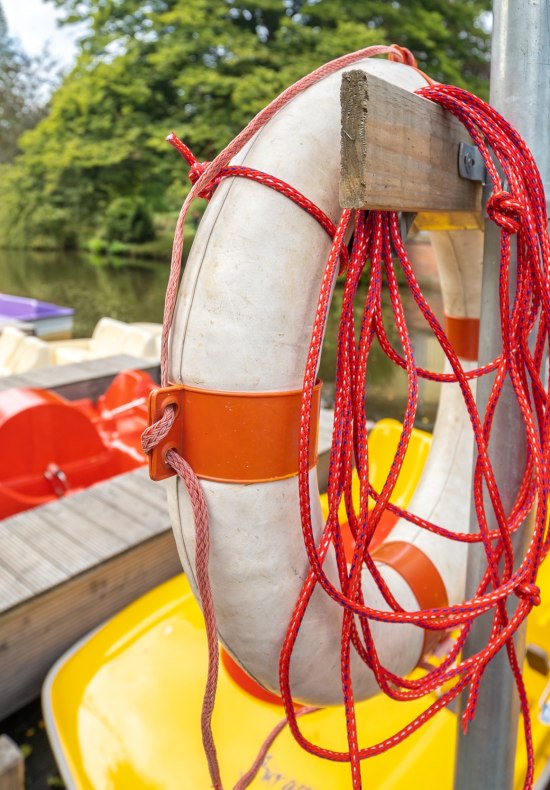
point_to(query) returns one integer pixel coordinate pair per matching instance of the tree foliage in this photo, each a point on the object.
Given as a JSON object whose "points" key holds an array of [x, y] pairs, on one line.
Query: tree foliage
{"points": [[21, 91], [203, 67], [128, 220]]}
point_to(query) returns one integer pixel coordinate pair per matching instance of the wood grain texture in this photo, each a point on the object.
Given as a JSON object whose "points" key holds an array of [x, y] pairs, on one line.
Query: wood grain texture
{"points": [[36, 632], [400, 151], [67, 566], [49, 545]]}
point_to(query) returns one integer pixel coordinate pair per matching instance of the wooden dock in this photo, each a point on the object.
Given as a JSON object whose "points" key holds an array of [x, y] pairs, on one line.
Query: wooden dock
{"points": [[71, 564], [87, 379], [67, 566]]}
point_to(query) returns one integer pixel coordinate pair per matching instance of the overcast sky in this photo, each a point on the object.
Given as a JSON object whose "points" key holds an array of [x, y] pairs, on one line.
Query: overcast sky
{"points": [[33, 22]]}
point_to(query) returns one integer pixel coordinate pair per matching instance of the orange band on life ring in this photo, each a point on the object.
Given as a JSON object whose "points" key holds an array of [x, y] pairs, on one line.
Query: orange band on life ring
{"points": [[420, 574], [244, 681], [463, 335], [233, 437]]}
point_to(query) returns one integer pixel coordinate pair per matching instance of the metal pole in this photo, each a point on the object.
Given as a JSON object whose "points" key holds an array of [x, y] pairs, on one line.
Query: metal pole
{"points": [[520, 90]]}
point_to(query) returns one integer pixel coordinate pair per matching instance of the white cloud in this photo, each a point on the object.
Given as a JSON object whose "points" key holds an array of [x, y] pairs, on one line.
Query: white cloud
{"points": [[33, 22]]}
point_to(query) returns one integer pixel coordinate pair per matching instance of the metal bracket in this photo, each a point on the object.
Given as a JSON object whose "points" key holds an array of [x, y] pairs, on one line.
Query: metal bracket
{"points": [[406, 219], [471, 164]]}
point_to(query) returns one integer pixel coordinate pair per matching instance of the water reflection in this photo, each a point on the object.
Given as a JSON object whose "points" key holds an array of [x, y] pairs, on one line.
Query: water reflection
{"points": [[134, 291], [127, 291]]}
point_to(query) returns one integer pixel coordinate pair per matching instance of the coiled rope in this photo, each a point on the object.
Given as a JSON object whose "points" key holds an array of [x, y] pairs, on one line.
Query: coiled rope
{"points": [[519, 210]]}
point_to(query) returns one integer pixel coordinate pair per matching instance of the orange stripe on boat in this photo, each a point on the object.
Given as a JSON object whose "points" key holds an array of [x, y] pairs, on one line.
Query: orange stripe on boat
{"points": [[233, 437], [463, 335], [420, 574]]}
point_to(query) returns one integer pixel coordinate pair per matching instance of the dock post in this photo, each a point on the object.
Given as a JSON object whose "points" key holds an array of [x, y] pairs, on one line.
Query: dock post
{"points": [[12, 770], [520, 90]]}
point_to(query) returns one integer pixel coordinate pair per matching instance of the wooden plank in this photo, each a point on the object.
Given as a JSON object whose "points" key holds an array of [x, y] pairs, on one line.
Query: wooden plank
{"points": [[400, 151], [39, 531], [154, 493], [87, 379], [132, 509], [45, 546], [127, 518], [12, 765], [26, 563], [34, 634], [75, 519], [12, 590], [9, 382]]}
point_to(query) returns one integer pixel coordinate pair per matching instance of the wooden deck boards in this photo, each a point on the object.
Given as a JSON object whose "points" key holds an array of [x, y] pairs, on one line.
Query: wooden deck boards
{"points": [[87, 379], [27, 563], [69, 565], [38, 530], [49, 545]]}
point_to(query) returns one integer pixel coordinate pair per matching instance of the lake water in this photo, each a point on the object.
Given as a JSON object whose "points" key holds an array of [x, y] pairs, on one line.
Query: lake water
{"points": [[134, 291]]}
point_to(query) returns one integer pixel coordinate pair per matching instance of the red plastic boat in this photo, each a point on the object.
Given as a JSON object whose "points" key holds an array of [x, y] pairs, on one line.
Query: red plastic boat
{"points": [[54, 447]]}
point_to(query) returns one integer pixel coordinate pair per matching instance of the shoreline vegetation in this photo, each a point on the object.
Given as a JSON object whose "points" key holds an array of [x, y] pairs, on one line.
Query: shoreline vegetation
{"points": [[156, 248], [89, 169]]}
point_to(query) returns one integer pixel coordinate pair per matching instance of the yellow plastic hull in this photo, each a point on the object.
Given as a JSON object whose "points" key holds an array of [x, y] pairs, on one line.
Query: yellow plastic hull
{"points": [[123, 707]]}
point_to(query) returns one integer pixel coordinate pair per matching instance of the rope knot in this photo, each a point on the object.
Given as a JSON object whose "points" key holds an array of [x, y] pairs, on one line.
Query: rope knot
{"points": [[528, 592], [195, 172], [505, 210], [196, 168], [156, 432]]}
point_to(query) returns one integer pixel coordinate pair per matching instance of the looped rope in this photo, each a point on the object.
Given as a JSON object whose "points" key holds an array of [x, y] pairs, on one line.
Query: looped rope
{"points": [[402, 55], [197, 169], [155, 432], [240, 171], [505, 210]]}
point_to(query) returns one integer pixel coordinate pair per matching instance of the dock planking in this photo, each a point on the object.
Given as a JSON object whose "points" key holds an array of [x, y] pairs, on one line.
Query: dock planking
{"points": [[69, 565], [87, 379]]}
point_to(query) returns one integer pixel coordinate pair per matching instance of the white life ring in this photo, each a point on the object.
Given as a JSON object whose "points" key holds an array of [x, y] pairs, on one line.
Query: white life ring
{"points": [[242, 324]]}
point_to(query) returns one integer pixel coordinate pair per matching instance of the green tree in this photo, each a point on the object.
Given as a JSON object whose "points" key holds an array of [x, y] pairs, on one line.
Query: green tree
{"points": [[22, 95], [202, 67]]}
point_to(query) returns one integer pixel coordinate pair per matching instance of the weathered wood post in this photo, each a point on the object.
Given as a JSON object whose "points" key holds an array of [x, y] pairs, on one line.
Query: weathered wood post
{"points": [[12, 769]]}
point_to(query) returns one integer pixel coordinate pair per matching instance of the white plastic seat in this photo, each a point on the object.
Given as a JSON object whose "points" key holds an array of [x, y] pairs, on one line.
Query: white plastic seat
{"points": [[30, 354], [148, 326], [109, 337], [10, 339]]}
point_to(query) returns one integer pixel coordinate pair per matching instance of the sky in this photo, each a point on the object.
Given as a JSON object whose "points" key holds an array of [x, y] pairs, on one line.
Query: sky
{"points": [[33, 22]]}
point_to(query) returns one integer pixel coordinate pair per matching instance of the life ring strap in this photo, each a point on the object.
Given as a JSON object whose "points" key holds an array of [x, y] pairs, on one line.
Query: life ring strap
{"points": [[233, 437]]}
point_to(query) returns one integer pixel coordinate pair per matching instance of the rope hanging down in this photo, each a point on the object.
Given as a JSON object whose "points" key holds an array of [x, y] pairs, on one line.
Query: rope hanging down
{"points": [[525, 309]]}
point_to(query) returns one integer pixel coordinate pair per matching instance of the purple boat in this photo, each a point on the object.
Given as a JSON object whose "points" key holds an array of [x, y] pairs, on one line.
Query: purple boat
{"points": [[49, 321]]}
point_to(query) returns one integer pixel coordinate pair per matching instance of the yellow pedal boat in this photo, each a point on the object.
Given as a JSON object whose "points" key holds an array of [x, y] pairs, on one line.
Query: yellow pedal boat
{"points": [[122, 707]]}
